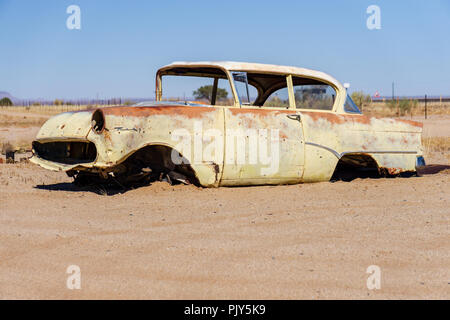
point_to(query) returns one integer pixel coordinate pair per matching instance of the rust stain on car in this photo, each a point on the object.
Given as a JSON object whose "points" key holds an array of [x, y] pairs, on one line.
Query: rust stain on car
{"points": [[327, 116], [142, 112], [411, 123]]}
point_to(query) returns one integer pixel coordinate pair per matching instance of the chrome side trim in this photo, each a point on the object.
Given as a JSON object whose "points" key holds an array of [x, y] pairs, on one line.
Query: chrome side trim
{"points": [[326, 148], [340, 155], [382, 151]]}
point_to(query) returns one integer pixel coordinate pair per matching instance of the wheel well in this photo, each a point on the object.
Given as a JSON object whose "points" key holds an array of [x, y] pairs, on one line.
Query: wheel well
{"points": [[352, 166], [150, 163], [158, 158]]}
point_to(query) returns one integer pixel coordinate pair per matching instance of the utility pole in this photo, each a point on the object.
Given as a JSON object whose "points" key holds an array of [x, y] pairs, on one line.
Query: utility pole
{"points": [[393, 95], [425, 106]]}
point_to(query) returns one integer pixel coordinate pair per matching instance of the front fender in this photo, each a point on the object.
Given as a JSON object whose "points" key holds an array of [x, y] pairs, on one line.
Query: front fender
{"points": [[129, 129]]}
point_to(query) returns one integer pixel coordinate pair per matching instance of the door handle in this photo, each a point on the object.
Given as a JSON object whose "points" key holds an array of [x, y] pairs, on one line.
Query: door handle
{"points": [[294, 117]]}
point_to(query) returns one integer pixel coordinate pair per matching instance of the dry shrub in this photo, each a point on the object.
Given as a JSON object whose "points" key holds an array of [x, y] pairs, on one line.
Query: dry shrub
{"points": [[436, 144], [7, 147], [20, 146], [382, 109]]}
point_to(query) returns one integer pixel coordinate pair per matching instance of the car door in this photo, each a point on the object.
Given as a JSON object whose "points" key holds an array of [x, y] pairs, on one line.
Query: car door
{"points": [[262, 146]]}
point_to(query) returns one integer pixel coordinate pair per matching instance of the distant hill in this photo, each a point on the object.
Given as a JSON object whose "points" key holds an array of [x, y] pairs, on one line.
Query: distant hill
{"points": [[4, 94]]}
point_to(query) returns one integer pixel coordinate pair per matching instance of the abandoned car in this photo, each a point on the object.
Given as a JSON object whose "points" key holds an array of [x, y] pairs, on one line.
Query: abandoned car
{"points": [[229, 124]]}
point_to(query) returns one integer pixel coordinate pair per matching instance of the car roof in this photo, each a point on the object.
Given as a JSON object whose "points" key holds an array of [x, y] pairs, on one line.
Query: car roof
{"points": [[258, 67]]}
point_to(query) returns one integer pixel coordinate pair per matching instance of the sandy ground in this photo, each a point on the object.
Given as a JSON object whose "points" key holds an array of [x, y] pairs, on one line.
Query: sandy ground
{"points": [[435, 125], [301, 241], [16, 136], [286, 242]]}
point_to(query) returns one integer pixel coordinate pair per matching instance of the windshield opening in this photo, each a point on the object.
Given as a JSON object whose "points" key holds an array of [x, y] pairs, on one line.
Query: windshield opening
{"points": [[206, 86]]}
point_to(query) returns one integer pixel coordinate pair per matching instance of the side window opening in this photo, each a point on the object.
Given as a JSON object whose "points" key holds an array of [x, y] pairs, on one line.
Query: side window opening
{"points": [[308, 93], [270, 90], [246, 92], [317, 96], [278, 99]]}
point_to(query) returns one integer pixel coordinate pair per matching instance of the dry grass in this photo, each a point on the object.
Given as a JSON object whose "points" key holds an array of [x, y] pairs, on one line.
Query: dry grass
{"points": [[46, 110], [21, 121], [381, 109], [437, 145], [20, 146], [6, 147], [22, 116]]}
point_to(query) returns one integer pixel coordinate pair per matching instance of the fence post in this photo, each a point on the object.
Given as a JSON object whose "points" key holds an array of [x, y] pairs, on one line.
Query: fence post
{"points": [[425, 106], [410, 105]]}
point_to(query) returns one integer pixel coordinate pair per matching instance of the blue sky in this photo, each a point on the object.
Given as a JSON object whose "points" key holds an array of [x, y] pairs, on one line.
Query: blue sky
{"points": [[121, 44]]}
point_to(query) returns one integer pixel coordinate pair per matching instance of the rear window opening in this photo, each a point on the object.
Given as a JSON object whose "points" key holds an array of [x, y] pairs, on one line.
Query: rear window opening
{"points": [[70, 152]]}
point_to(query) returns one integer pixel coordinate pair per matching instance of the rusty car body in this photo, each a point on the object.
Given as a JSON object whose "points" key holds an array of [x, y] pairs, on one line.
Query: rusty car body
{"points": [[319, 136]]}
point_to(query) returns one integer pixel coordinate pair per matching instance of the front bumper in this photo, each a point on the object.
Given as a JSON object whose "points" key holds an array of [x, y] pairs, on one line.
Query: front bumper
{"points": [[54, 166]]}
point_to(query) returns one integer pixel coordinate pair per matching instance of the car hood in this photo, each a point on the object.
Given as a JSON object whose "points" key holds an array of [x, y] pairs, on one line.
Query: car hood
{"points": [[68, 125]]}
